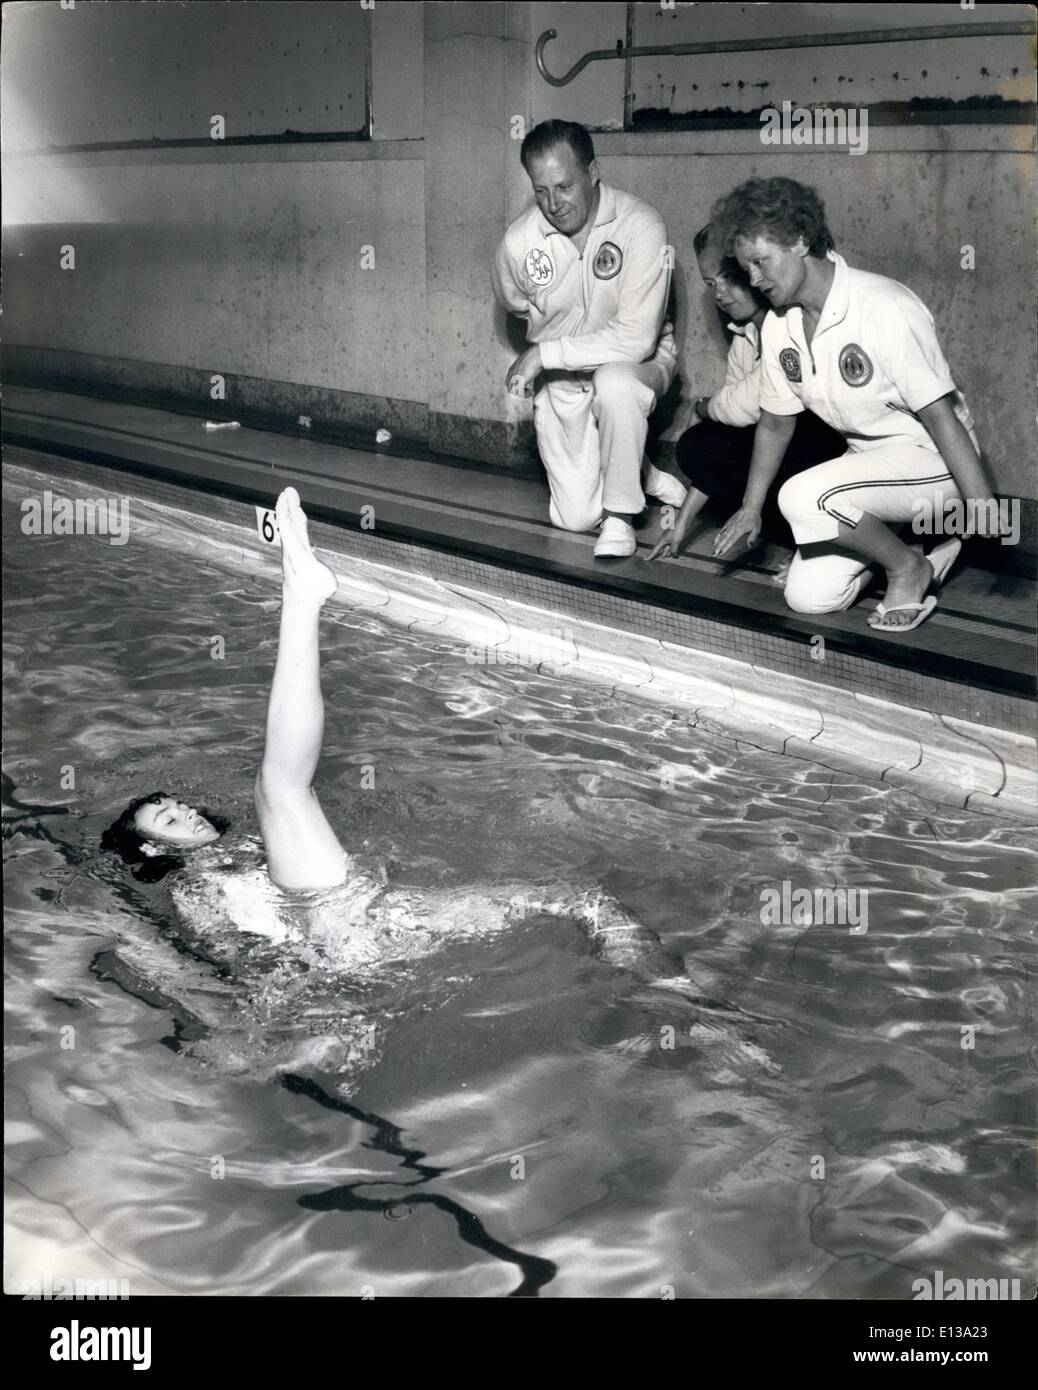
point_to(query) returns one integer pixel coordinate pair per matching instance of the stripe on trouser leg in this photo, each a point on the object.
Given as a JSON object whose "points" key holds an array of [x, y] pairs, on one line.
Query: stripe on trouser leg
{"points": [[845, 520], [880, 482], [817, 518]]}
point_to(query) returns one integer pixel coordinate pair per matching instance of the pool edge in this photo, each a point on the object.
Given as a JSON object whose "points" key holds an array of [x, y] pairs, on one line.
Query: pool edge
{"points": [[948, 761]]}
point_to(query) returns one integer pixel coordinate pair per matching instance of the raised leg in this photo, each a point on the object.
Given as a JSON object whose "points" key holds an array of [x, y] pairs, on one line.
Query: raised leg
{"points": [[302, 849]]}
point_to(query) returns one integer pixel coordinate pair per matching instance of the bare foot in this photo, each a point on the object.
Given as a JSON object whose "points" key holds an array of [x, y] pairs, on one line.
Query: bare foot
{"points": [[303, 575], [905, 585]]}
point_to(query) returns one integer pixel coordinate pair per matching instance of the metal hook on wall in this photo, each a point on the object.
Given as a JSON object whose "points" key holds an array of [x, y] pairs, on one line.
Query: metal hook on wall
{"points": [[578, 66], [924, 32]]}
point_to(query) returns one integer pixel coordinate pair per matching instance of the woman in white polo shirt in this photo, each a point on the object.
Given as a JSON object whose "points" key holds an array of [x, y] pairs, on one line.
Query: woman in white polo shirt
{"points": [[715, 453], [860, 351]]}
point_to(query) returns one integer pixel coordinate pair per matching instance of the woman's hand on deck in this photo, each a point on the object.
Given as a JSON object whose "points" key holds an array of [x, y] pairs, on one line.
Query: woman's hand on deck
{"points": [[672, 539], [745, 525]]}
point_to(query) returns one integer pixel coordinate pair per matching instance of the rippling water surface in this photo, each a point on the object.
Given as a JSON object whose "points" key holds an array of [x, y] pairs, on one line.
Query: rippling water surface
{"points": [[533, 1119]]}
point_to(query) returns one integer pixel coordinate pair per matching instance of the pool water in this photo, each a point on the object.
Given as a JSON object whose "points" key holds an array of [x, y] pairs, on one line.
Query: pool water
{"points": [[809, 1120]]}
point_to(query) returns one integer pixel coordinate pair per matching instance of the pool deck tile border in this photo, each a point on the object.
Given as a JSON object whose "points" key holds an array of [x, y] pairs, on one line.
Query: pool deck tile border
{"points": [[995, 686], [944, 758]]}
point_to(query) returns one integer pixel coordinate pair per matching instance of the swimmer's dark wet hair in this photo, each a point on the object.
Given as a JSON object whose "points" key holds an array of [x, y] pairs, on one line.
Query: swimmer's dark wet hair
{"points": [[124, 839], [781, 209]]}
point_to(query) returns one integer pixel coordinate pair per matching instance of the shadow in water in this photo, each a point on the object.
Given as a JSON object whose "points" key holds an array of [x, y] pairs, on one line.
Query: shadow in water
{"points": [[109, 967], [388, 1139]]}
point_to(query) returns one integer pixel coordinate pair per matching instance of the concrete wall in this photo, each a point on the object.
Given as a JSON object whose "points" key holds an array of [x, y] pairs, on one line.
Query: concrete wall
{"points": [[251, 268], [874, 74], [96, 73], [276, 266], [248, 261]]}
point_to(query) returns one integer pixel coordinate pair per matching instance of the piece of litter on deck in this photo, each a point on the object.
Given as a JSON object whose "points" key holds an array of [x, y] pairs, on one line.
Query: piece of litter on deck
{"points": [[382, 436], [305, 421], [223, 425]]}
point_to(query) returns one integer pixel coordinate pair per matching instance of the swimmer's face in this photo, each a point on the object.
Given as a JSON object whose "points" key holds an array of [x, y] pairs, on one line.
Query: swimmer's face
{"points": [[171, 822], [731, 294], [564, 189], [777, 271]]}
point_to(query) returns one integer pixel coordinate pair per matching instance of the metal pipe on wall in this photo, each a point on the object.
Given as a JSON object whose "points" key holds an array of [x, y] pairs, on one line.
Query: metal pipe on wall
{"points": [[859, 36]]}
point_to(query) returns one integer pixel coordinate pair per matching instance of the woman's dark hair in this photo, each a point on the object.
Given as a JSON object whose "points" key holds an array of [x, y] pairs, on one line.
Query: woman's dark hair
{"points": [[124, 839], [548, 134], [781, 209], [729, 267]]}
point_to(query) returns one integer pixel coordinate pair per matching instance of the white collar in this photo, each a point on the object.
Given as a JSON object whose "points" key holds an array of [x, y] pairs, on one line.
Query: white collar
{"points": [[746, 330]]}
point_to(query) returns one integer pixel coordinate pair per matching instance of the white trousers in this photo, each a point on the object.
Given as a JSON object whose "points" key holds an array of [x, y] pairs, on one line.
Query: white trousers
{"points": [[591, 429], [889, 483]]}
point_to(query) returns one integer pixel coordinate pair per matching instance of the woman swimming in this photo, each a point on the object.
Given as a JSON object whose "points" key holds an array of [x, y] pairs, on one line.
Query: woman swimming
{"points": [[327, 903]]}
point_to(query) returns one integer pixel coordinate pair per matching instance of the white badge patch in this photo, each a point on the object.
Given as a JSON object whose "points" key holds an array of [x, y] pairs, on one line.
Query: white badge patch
{"points": [[539, 267]]}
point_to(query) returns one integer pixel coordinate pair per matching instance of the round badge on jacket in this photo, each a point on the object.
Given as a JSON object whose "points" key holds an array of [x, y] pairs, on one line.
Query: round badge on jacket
{"points": [[608, 260], [539, 267], [789, 361], [855, 367]]}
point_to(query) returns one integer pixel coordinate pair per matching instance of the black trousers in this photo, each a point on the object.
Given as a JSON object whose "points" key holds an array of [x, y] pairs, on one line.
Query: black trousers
{"points": [[716, 459]]}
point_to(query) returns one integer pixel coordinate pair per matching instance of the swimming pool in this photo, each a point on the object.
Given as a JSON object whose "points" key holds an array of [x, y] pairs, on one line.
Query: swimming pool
{"points": [[814, 1125]]}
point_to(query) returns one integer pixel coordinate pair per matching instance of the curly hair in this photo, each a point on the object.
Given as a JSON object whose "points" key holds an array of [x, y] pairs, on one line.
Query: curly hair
{"points": [[781, 209], [124, 839]]}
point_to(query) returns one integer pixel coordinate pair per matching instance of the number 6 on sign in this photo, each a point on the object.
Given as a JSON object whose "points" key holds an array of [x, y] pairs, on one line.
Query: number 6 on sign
{"points": [[267, 526]]}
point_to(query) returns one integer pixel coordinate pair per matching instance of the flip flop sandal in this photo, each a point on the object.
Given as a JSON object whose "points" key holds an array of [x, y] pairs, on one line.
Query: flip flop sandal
{"points": [[942, 557], [922, 611]]}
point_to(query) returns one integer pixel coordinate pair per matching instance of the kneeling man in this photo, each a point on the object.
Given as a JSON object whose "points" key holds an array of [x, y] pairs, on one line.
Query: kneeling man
{"points": [[588, 267]]}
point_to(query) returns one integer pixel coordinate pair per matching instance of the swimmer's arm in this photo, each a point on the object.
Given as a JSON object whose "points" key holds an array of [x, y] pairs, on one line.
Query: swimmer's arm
{"points": [[592, 909], [484, 913], [615, 935]]}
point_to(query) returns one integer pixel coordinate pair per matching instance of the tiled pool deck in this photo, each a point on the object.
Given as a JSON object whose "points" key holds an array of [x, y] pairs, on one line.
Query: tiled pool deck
{"points": [[503, 596]]}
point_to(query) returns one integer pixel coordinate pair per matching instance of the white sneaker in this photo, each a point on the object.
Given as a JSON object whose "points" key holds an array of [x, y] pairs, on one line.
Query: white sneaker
{"points": [[616, 539], [664, 487]]}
